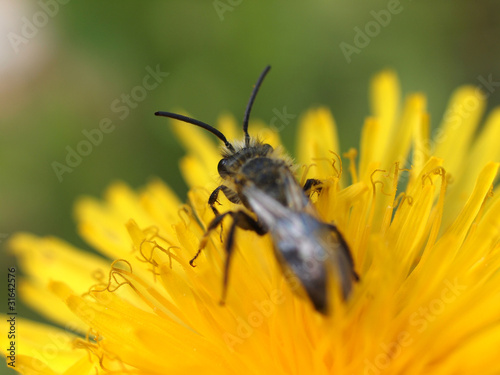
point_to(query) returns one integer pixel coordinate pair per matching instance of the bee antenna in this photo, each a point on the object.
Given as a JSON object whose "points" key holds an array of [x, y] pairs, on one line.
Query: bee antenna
{"points": [[201, 124], [250, 103]]}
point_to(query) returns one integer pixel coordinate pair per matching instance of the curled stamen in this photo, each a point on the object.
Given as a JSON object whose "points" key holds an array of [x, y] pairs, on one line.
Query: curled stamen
{"points": [[149, 245], [95, 349], [92, 349], [374, 183], [401, 198], [440, 171], [96, 288], [156, 246], [330, 163], [153, 230], [113, 265], [339, 172], [170, 255], [403, 169], [115, 272], [118, 285], [147, 259]]}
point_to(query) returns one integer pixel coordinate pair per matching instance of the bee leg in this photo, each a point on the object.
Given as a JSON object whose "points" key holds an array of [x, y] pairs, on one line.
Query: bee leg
{"points": [[213, 224], [231, 195], [213, 199], [311, 186], [242, 220], [229, 253]]}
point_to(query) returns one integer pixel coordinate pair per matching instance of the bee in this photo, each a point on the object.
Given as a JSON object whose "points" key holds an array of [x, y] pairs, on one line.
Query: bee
{"points": [[261, 179]]}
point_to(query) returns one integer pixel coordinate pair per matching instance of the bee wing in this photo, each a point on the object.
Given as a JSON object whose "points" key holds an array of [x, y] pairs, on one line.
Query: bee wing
{"points": [[294, 194], [340, 258], [305, 245], [332, 242]]}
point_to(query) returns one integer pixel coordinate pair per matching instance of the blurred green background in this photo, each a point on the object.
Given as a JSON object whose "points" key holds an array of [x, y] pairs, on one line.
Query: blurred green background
{"points": [[63, 76]]}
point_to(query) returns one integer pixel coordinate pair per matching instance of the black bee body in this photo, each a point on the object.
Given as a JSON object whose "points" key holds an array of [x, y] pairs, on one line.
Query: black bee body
{"points": [[261, 178], [255, 165]]}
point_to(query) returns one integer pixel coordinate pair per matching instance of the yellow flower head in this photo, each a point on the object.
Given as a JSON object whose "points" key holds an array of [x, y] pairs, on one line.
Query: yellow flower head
{"points": [[417, 209]]}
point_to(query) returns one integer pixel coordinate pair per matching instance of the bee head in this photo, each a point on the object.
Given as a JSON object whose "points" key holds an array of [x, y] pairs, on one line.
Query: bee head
{"points": [[232, 161]]}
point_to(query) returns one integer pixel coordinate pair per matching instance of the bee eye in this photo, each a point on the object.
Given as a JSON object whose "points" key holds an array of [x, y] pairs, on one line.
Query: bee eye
{"points": [[222, 168], [268, 149]]}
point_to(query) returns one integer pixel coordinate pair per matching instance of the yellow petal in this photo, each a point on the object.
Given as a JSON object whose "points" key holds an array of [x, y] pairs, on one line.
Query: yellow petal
{"points": [[369, 158], [46, 258], [413, 115], [385, 97], [458, 126], [317, 140], [483, 185], [41, 349]]}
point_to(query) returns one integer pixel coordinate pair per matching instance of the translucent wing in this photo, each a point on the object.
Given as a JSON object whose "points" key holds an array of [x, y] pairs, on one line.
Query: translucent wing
{"points": [[306, 245]]}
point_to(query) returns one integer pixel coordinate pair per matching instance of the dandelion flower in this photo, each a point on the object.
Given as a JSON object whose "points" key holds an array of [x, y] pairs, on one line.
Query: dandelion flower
{"points": [[417, 209]]}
